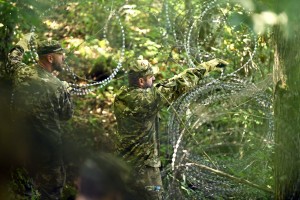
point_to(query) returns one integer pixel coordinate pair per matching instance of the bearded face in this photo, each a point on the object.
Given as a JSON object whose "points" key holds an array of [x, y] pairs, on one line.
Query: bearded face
{"points": [[58, 60], [148, 82]]}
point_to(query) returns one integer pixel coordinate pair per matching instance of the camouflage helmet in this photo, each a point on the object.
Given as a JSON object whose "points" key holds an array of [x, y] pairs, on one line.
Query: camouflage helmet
{"points": [[49, 46], [141, 66]]}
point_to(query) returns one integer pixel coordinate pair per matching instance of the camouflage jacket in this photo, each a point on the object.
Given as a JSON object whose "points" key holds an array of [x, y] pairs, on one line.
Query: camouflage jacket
{"points": [[39, 97], [136, 112]]}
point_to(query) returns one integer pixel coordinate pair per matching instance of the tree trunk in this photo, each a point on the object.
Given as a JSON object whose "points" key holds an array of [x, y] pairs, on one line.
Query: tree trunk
{"points": [[287, 110]]}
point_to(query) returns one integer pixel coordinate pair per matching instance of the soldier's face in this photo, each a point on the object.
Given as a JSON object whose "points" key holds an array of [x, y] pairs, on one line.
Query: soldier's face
{"points": [[149, 81], [58, 60]]}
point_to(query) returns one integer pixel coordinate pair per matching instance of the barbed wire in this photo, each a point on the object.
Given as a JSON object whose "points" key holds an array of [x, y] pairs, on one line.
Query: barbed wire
{"points": [[83, 89], [200, 111], [204, 108]]}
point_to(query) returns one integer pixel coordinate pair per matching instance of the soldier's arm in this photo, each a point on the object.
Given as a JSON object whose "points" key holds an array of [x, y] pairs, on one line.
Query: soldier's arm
{"points": [[172, 88], [213, 65], [15, 56]]}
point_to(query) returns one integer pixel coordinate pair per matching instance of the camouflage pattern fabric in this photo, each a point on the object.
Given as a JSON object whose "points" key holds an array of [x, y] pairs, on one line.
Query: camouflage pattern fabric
{"points": [[49, 46], [14, 61], [43, 97], [141, 66], [40, 102], [136, 110]]}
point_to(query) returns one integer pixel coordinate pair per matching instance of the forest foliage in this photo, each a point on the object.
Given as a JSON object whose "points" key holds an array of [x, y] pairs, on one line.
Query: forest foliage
{"points": [[172, 35]]}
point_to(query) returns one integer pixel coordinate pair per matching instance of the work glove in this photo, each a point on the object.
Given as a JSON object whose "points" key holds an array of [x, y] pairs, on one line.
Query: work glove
{"points": [[67, 86], [214, 65], [25, 40]]}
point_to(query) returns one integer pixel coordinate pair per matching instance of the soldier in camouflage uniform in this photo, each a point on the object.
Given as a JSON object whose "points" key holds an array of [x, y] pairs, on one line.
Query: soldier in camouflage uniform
{"points": [[40, 102], [136, 109]]}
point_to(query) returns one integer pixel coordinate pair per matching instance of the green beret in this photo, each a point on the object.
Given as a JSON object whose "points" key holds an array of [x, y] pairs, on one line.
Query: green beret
{"points": [[51, 46], [141, 66]]}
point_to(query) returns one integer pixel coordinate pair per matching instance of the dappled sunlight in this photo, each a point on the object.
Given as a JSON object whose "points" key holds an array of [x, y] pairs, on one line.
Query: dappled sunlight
{"points": [[217, 138], [54, 25]]}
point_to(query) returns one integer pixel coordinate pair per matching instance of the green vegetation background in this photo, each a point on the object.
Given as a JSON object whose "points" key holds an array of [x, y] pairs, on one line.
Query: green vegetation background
{"points": [[92, 30]]}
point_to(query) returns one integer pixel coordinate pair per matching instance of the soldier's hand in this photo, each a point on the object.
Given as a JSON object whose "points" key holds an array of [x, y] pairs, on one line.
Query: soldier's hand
{"points": [[67, 86], [24, 41], [217, 63], [222, 63], [214, 64]]}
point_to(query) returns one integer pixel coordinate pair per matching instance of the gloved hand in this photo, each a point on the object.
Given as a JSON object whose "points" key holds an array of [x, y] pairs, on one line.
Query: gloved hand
{"points": [[67, 86], [214, 65], [24, 41]]}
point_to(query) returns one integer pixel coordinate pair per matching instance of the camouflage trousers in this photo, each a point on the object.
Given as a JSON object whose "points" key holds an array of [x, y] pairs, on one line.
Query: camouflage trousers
{"points": [[150, 177]]}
